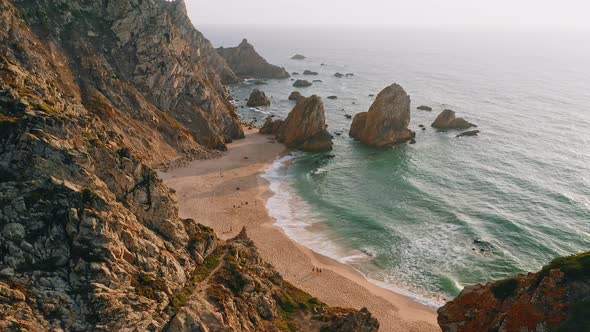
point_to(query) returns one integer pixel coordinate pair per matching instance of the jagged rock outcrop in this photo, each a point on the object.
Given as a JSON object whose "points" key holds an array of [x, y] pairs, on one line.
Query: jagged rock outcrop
{"points": [[448, 120], [305, 127], [247, 63], [554, 299], [295, 96], [257, 98], [90, 237], [386, 122]]}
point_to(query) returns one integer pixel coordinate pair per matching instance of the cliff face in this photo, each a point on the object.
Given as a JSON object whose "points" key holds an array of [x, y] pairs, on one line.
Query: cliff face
{"points": [[557, 298], [247, 63], [92, 95]]}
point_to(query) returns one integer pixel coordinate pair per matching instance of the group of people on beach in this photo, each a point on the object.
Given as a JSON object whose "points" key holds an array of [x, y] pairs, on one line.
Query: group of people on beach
{"points": [[316, 269]]}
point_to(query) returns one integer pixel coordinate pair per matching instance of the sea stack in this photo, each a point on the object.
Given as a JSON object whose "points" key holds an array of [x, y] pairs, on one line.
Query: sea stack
{"points": [[386, 122], [304, 128], [257, 98], [447, 120], [247, 63]]}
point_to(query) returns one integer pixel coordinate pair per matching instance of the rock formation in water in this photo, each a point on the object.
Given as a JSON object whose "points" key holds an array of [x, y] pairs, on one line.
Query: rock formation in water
{"points": [[386, 122], [469, 133], [295, 96], [447, 120], [557, 298], [298, 57], [257, 98], [247, 63], [424, 108], [305, 127], [339, 75], [93, 95], [302, 84], [309, 72], [271, 126]]}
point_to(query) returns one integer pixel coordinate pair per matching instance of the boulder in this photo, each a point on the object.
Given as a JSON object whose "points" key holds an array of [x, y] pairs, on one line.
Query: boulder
{"points": [[339, 75], [295, 73], [349, 74], [447, 120], [298, 57], [302, 84], [257, 98], [295, 96], [332, 97], [305, 127], [469, 133], [246, 62], [424, 108], [270, 126], [386, 122], [309, 72]]}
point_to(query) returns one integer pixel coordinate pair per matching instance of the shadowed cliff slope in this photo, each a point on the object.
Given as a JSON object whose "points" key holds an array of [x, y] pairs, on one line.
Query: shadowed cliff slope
{"points": [[92, 96]]}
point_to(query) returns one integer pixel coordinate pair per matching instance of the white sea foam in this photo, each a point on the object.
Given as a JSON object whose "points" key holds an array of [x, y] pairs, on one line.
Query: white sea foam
{"points": [[295, 217]]}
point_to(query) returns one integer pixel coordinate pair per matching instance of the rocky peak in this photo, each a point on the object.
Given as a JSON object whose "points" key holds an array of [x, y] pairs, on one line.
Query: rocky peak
{"points": [[247, 63]]}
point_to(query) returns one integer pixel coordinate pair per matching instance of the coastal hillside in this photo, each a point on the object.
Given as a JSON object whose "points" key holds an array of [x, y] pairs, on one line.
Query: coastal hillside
{"points": [[93, 96], [557, 298]]}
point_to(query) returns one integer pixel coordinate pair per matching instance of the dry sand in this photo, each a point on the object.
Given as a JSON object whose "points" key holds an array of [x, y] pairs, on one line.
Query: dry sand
{"points": [[207, 192]]}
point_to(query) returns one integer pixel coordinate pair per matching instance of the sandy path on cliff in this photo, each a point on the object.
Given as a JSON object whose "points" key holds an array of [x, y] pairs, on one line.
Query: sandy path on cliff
{"points": [[207, 192]]}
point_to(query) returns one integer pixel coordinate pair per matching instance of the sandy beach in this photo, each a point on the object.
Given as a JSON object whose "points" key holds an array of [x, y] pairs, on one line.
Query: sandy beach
{"points": [[228, 193]]}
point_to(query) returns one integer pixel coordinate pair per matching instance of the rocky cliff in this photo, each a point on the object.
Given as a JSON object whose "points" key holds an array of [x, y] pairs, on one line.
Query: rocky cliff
{"points": [[247, 63], [557, 298], [92, 96]]}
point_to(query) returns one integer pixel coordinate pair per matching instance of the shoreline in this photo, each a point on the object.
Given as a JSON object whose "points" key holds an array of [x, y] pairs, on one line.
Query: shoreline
{"points": [[229, 192]]}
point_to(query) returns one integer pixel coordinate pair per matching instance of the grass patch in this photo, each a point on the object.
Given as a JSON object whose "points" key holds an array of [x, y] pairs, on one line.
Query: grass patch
{"points": [[574, 267], [504, 288], [148, 286], [201, 272], [578, 318]]}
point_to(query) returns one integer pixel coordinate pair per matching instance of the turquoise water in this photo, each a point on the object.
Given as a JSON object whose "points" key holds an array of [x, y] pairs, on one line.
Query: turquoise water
{"points": [[429, 218]]}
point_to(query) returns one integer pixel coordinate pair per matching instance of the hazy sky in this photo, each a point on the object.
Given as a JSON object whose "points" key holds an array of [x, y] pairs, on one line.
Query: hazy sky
{"points": [[562, 13]]}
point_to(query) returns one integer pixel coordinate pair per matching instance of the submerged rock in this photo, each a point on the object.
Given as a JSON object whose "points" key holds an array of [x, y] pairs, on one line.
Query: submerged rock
{"points": [[302, 84], [309, 72], [386, 122], [447, 120], [424, 108], [332, 97], [298, 57], [246, 62], [339, 75], [305, 127], [257, 98], [469, 133]]}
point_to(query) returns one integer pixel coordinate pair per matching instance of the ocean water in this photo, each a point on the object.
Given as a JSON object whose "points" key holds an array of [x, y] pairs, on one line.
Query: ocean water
{"points": [[427, 219]]}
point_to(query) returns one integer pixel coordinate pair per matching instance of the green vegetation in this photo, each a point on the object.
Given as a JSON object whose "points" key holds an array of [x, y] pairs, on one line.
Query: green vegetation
{"points": [[201, 272], [148, 286], [503, 289], [574, 267], [578, 318]]}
